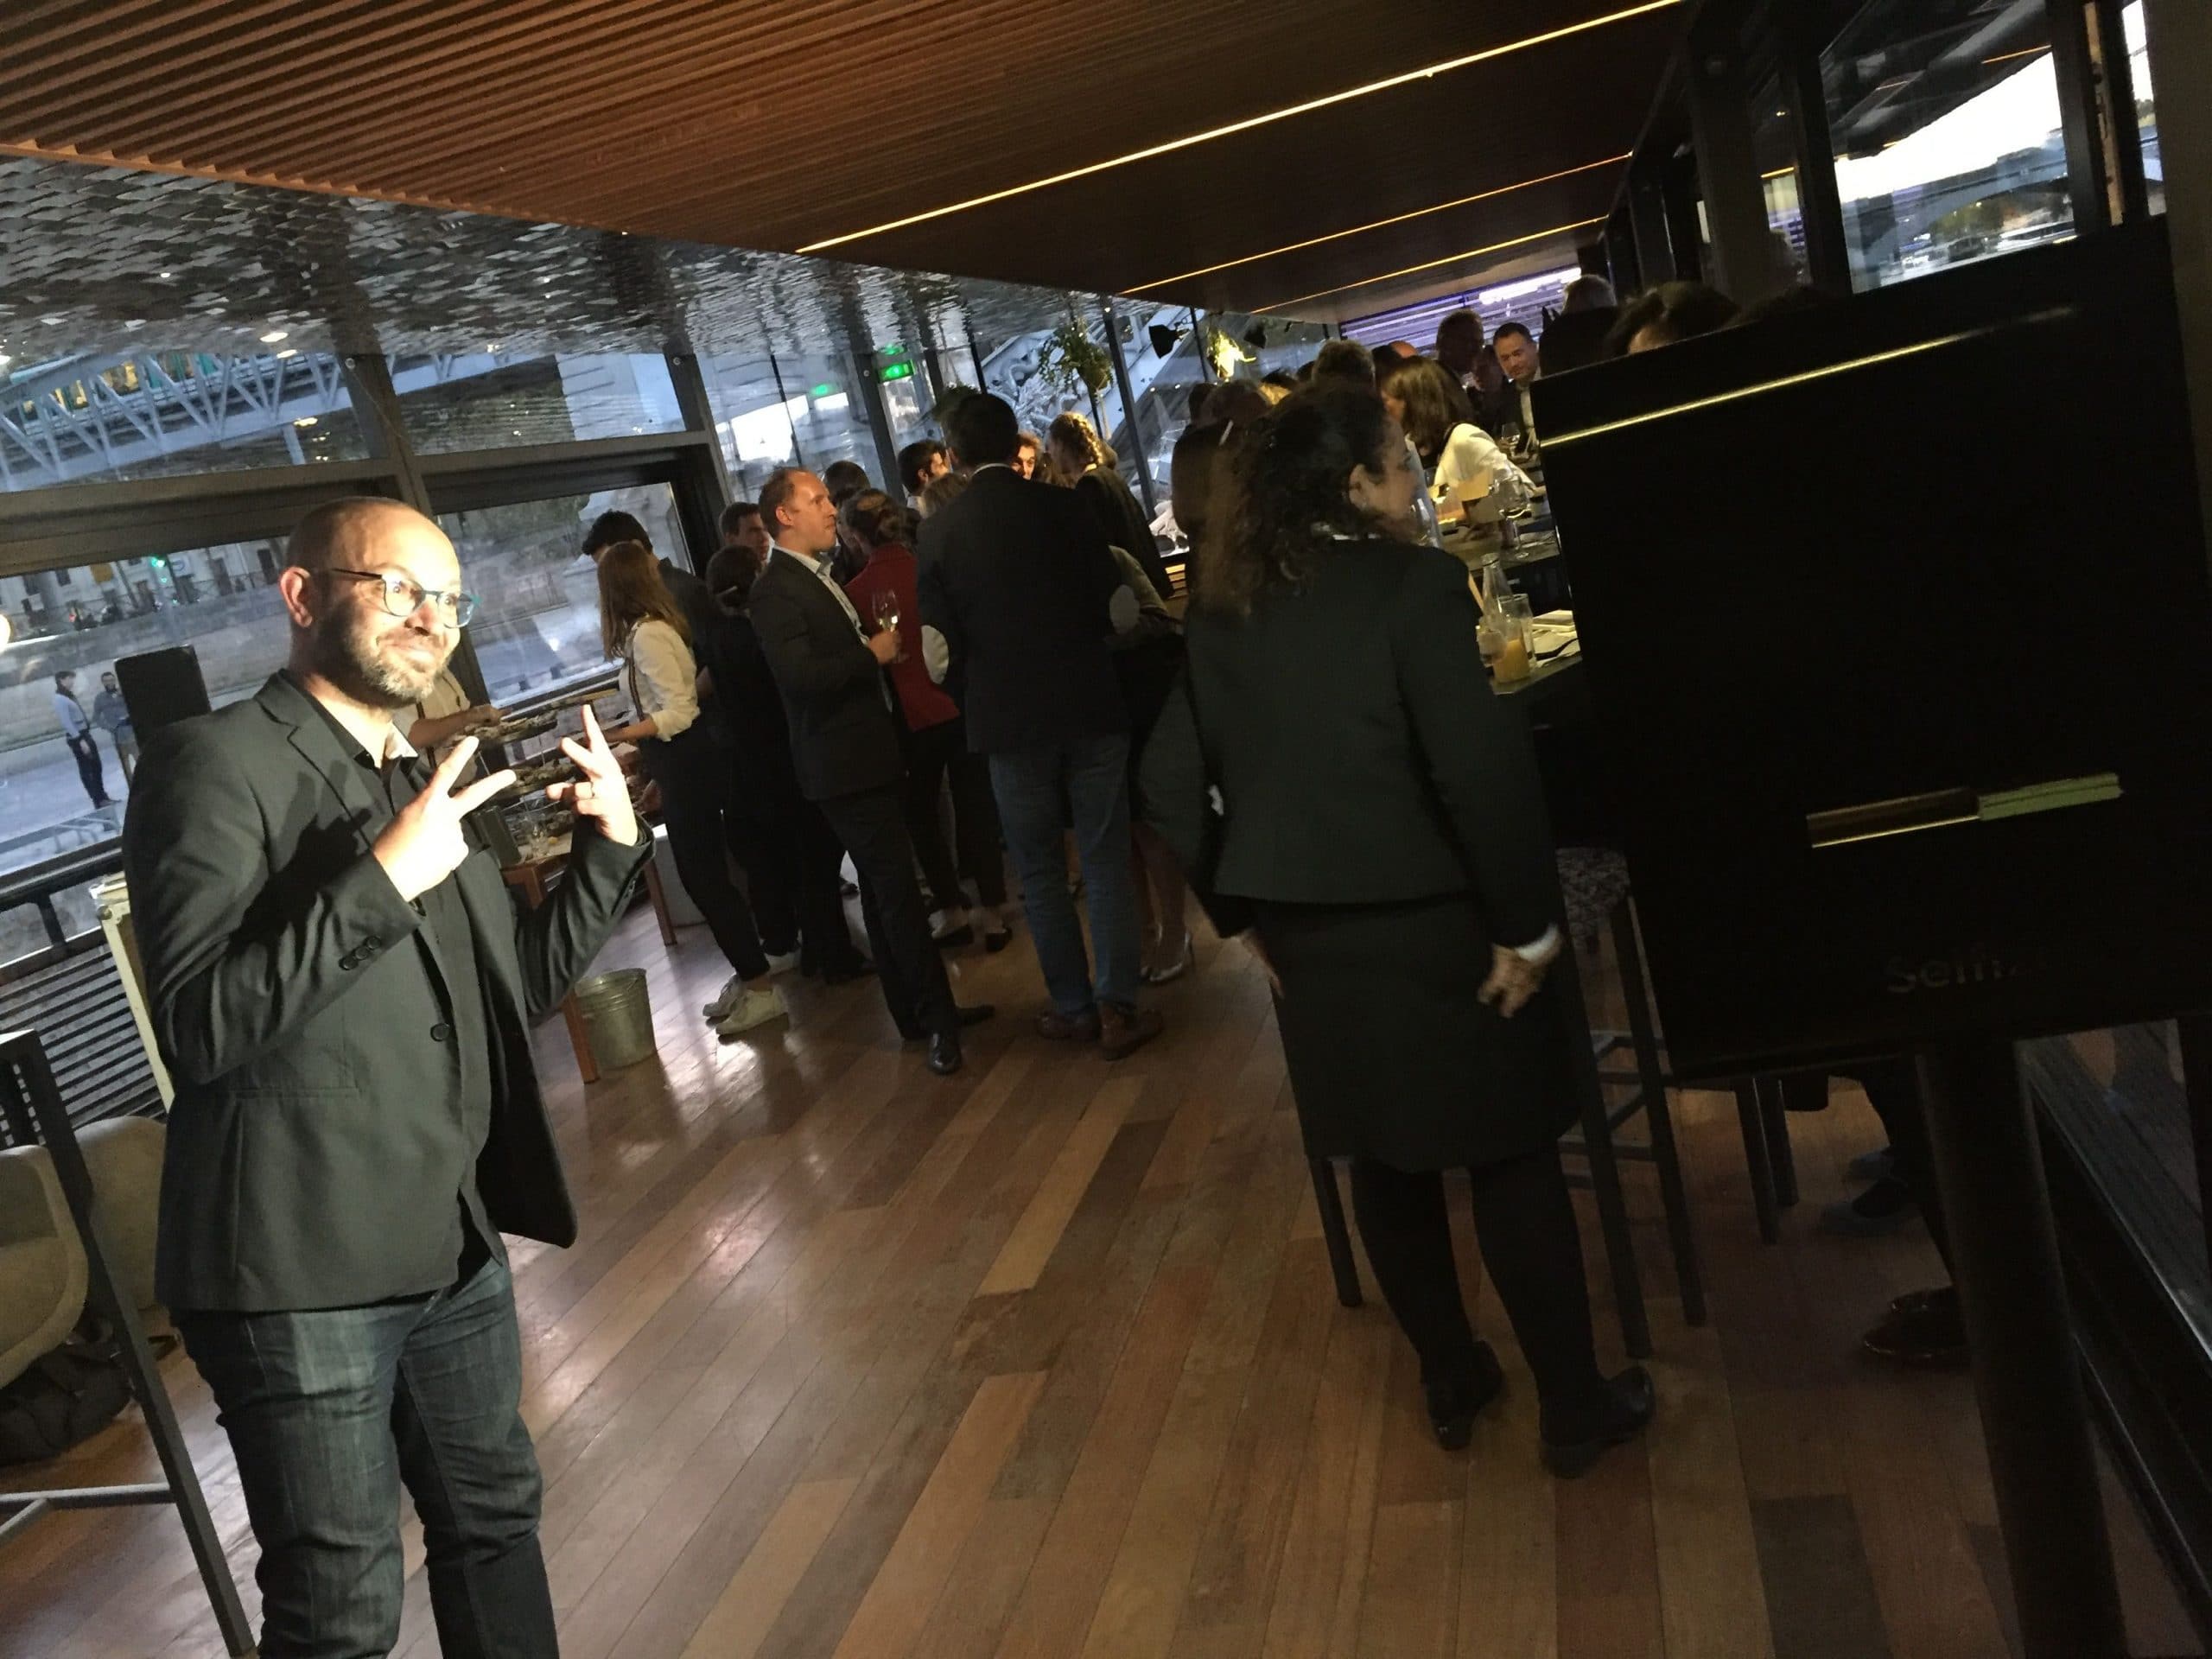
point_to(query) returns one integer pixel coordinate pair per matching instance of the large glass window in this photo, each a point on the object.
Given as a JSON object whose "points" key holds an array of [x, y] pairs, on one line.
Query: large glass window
{"points": [[57, 797], [1950, 145], [156, 413], [1020, 370], [495, 400], [1774, 144], [776, 411], [538, 627], [2147, 113]]}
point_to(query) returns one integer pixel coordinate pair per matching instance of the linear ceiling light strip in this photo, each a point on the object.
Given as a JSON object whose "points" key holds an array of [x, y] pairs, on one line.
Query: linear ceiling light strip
{"points": [[1246, 125], [1432, 265], [1379, 224]]}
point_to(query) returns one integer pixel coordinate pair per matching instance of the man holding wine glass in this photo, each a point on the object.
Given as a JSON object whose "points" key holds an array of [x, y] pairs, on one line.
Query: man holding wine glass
{"points": [[846, 744], [936, 737]]}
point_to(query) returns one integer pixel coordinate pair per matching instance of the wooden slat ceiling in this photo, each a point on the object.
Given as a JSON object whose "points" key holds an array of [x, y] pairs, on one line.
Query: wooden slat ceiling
{"points": [[777, 124]]}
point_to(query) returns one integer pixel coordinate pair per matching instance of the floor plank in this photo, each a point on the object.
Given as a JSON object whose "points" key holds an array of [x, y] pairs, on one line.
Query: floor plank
{"points": [[1045, 1360]]}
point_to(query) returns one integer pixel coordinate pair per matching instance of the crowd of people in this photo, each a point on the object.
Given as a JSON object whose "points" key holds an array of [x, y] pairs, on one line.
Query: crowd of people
{"points": [[1312, 752], [930, 688]]}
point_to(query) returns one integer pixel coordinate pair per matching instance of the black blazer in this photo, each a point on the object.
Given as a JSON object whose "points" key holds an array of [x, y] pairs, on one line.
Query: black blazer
{"points": [[844, 737], [315, 1145], [1360, 755], [1121, 516], [752, 709], [1020, 580]]}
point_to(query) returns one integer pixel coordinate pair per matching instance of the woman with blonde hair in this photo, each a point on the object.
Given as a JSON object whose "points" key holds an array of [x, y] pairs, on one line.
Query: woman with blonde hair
{"points": [[641, 625]]}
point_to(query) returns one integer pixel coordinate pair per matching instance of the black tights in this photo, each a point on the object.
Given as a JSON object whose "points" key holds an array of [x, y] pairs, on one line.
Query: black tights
{"points": [[1524, 1222]]}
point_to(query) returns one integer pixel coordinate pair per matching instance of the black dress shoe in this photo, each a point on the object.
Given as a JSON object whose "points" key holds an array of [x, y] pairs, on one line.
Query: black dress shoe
{"points": [[847, 973], [975, 1013], [1624, 1415], [944, 1053], [963, 935], [996, 942], [1452, 1407]]}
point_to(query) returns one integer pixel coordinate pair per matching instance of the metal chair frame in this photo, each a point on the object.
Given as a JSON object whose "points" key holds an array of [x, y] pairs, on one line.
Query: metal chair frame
{"points": [[32, 1104]]}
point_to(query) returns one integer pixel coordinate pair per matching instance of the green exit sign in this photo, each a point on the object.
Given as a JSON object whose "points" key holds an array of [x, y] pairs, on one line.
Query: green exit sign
{"points": [[896, 371]]}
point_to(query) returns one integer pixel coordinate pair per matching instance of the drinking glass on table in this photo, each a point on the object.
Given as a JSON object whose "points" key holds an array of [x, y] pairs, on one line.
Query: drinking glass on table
{"points": [[1512, 622], [886, 606]]}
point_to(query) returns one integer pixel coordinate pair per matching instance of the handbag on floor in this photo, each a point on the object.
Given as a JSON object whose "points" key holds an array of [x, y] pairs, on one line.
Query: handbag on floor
{"points": [[62, 1398]]}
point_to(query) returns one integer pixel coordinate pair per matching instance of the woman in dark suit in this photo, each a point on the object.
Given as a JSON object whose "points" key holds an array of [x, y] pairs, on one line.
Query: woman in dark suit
{"points": [[1380, 827]]}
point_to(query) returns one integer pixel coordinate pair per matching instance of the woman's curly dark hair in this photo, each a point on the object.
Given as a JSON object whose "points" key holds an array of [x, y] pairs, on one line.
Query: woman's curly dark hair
{"points": [[1284, 496]]}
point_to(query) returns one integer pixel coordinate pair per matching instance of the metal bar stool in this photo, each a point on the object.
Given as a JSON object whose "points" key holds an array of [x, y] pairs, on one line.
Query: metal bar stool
{"points": [[35, 1115]]}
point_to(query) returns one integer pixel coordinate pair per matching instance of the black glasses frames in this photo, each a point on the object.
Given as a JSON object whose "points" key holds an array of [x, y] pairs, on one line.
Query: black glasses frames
{"points": [[402, 596]]}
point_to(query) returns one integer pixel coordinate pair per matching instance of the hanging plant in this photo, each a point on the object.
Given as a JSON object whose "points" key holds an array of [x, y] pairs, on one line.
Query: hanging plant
{"points": [[1071, 362]]}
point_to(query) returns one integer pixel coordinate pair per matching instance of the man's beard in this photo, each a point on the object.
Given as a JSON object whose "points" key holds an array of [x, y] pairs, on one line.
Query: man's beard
{"points": [[346, 657]]}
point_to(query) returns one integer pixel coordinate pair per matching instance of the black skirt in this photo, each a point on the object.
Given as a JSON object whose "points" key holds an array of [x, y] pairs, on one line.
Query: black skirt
{"points": [[1392, 1055]]}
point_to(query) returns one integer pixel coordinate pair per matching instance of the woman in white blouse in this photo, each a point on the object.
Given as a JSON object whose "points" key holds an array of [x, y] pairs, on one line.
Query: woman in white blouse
{"points": [[640, 624], [1461, 463]]}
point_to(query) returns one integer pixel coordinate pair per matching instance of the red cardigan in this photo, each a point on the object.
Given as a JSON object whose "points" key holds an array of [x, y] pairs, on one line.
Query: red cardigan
{"points": [[920, 698]]}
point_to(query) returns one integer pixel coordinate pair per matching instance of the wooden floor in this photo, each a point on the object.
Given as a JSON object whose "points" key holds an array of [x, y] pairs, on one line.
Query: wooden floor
{"points": [[1044, 1361]]}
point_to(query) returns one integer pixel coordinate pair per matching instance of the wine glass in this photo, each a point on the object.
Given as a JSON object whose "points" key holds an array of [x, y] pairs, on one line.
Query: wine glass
{"points": [[886, 606]]}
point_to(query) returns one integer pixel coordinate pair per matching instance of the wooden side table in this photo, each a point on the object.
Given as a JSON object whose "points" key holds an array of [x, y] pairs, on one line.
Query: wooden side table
{"points": [[531, 878]]}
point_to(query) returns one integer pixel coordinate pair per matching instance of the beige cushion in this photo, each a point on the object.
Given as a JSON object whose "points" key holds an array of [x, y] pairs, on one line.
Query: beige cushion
{"points": [[42, 1262], [124, 1157]]}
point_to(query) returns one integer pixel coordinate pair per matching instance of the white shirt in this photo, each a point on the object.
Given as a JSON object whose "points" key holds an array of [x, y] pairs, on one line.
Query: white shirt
{"points": [[820, 573], [382, 741], [664, 677], [1466, 470]]}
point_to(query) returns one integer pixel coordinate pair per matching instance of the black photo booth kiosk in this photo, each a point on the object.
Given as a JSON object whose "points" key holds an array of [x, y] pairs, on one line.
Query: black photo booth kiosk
{"points": [[1896, 616]]}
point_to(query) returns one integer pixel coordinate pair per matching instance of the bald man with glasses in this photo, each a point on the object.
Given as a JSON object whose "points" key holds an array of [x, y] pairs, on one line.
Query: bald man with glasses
{"points": [[343, 994]]}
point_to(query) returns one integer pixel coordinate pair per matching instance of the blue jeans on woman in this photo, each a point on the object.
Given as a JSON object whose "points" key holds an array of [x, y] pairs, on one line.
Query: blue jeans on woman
{"points": [[328, 1412], [1038, 791]]}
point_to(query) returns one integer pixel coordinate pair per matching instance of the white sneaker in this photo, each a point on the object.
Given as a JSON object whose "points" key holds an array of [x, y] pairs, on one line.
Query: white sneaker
{"points": [[783, 963], [725, 1000], [754, 1008]]}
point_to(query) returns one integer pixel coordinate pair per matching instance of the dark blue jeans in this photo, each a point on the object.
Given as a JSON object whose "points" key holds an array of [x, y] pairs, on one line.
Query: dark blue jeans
{"points": [[328, 1412], [1037, 790]]}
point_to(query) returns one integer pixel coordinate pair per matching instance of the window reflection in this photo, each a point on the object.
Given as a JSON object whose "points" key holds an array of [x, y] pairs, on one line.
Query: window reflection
{"points": [[155, 413], [1950, 145], [450, 402], [537, 627], [219, 600], [775, 411]]}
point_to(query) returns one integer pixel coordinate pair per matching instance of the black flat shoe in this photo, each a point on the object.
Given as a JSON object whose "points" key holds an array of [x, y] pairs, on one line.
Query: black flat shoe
{"points": [[851, 974], [1624, 1417], [997, 942], [1924, 1330], [963, 935], [1453, 1407], [944, 1054], [976, 1013]]}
